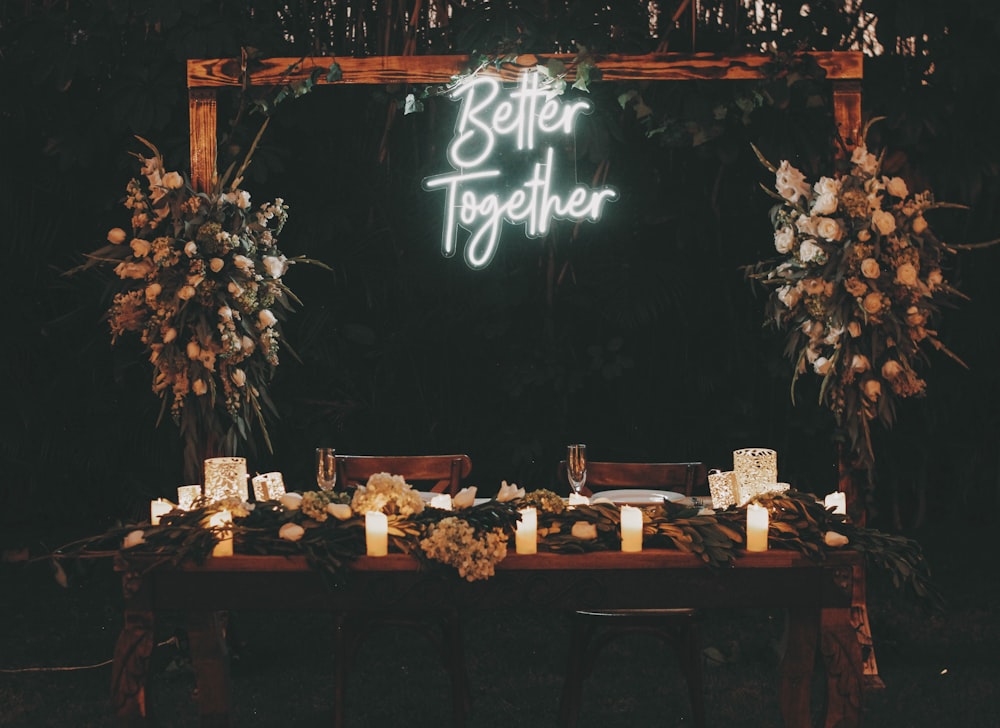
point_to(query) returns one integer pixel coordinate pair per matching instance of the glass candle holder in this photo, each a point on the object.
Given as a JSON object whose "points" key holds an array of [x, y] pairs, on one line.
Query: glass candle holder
{"points": [[268, 486], [187, 495], [226, 478], [722, 486], [756, 472]]}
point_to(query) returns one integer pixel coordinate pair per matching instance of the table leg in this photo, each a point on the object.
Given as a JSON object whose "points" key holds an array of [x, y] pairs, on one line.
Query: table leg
{"points": [[210, 659], [797, 666], [844, 668], [130, 669]]}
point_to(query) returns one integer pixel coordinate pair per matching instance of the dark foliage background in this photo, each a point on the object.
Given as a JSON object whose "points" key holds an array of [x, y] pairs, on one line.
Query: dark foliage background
{"points": [[638, 335]]}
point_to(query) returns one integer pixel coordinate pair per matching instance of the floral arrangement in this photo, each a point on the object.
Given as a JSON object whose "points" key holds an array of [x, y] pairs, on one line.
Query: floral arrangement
{"points": [[390, 494], [858, 287], [200, 282], [473, 552]]}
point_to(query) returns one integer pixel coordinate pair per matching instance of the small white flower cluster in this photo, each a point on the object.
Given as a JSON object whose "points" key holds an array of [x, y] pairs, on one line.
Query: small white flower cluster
{"points": [[473, 553], [389, 494]]}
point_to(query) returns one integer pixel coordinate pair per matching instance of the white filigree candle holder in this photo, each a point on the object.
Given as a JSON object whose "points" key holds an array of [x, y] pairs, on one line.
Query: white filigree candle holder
{"points": [[756, 472], [187, 495], [268, 486], [226, 478], [722, 486]]}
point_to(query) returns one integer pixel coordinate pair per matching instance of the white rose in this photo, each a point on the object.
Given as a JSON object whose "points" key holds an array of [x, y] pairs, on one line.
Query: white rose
{"points": [[822, 365], [291, 501], [806, 225], [186, 293], [199, 387], [883, 221], [867, 163], [834, 539], [243, 263], [134, 538], [784, 240], [275, 265], [240, 198], [226, 313], [895, 186], [584, 531], [248, 345], [790, 183], [825, 204], [809, 251], [235, 289], [140, 247], [827, 186], [828, 229], [340, 511], [239, 377], [216, 264], [266, 319], [870, 268], [464, 498], [173, 181], [116, 236], [789, 296], [906, 275], [190, 249], [152, 291], [919, 224], [509, 492], [291, 532]]}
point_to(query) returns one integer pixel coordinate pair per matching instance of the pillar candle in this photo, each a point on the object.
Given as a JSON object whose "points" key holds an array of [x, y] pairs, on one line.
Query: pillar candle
{"points": [[631, 529], [442, 501], [157, 508], [757, 521], [223, 520], [838, 501], [527, 532], [376, 533]]}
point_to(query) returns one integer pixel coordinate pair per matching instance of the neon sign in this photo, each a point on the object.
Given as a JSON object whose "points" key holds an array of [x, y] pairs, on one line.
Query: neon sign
{"points": [[478, 197]]}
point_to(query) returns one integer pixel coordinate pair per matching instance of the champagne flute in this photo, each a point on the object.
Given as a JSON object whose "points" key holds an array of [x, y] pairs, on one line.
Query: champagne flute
{"points": [[576, 466], [326, 468]]}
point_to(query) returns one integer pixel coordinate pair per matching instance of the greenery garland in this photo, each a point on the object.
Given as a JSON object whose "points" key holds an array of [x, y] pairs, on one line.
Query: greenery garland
{"points": [[797, 522]]}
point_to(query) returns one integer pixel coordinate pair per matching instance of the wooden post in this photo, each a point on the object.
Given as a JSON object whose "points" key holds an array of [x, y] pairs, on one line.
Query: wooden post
{"points": [[202, 112]]}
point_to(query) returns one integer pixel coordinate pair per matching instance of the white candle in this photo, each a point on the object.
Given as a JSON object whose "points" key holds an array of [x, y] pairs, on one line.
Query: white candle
{"points": [[187, 495], [575, 499], [757, 521], [157, 508], [838, 501], [376, 533], [442, 501], [223, 520], [527, 532], [631, 529]]}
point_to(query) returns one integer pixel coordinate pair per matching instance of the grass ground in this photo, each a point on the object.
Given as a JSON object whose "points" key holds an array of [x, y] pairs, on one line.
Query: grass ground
{"points": [[940, 670]]}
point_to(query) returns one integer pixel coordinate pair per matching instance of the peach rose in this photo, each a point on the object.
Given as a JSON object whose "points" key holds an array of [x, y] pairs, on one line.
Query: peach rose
{"points": [[919, 224], [870, 268], [906, 275], [116, 236], [854, 329], [891, 369], [883, 221], [872, 389], [872, 303], [860, 363]]}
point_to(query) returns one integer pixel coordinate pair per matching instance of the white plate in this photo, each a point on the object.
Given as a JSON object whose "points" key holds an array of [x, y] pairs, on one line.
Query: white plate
{"points": [[426, 497], [624, 495]]}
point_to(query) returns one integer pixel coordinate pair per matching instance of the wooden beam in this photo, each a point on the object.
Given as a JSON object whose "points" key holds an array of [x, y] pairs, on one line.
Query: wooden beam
{"points": [[440, 69], [203, 114]]}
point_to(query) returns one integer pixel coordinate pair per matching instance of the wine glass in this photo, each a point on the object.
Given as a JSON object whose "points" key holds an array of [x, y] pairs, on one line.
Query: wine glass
{"points": [[326, 468], [576, 466]]}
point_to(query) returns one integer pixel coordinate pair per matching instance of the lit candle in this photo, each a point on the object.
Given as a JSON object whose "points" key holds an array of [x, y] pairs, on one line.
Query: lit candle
{"points": [[575, 499], [631, 529], [223, 520], [757, 519], [838, 501], [442, 501], [157, 508], [376, 533], [527, 532], [187, 495]]}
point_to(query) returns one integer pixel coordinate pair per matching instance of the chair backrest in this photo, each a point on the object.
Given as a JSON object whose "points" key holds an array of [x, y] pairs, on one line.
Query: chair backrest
{"points": [[681, 477], [445, 472]]}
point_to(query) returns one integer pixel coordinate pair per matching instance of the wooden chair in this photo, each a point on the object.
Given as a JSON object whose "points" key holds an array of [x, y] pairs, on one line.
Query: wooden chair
{"points": [[593, 629], [444, 474]]}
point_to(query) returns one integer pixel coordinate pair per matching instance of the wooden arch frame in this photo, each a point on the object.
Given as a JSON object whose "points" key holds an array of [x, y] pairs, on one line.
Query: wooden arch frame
{"points": [[204, 77]]}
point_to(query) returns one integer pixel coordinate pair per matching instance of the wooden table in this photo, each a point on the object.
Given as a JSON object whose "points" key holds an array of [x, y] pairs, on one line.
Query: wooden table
{"points": [[816, 595]]}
